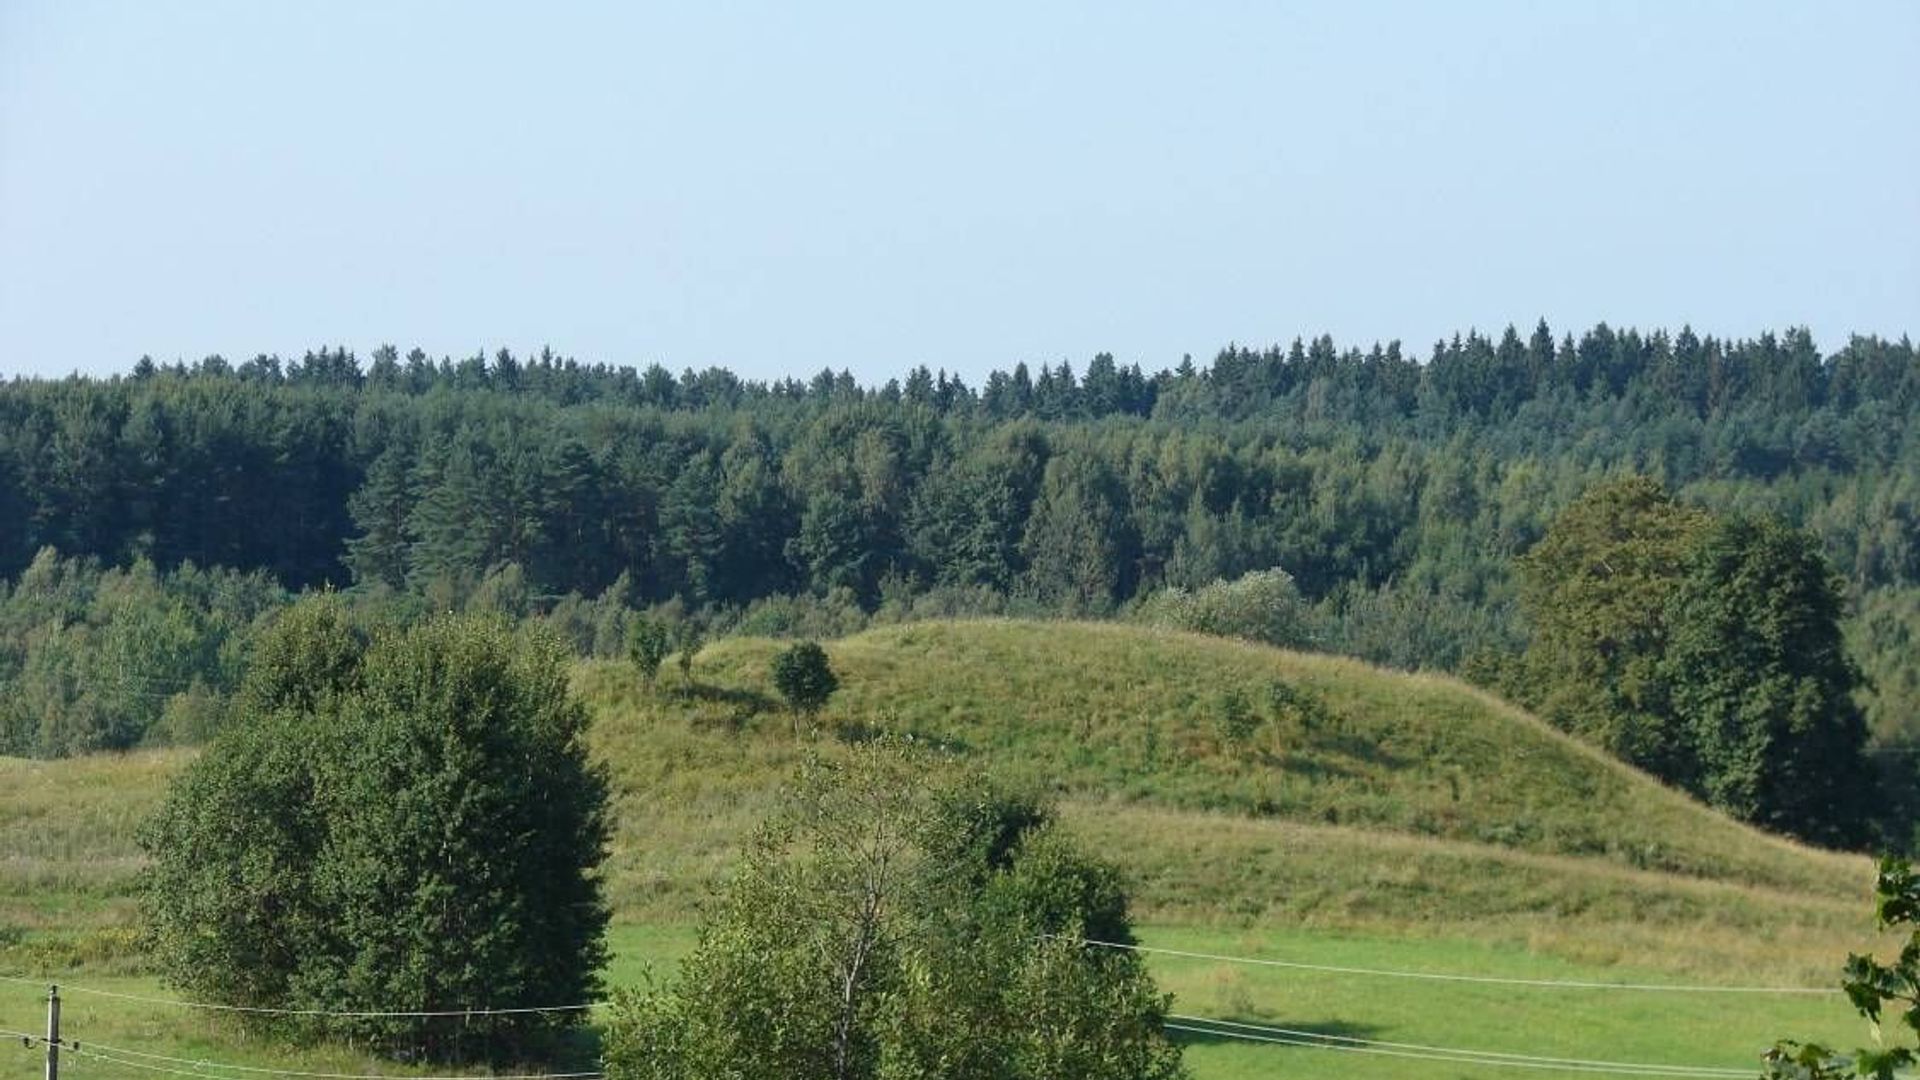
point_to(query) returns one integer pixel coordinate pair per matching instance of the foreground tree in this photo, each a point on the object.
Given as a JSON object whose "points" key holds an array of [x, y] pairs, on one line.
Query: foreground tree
{"points": [[413, 826], [902, 921], [1876, 990]]}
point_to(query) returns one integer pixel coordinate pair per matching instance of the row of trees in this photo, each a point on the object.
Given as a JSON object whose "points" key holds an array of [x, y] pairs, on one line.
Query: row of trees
{"points": [[1396, 495], [322, 475], [1468, 380], [97, 658]]}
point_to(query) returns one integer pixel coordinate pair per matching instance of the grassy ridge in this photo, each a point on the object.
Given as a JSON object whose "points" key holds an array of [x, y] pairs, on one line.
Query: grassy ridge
{"points": [[1457, 813], [1123, 715]]}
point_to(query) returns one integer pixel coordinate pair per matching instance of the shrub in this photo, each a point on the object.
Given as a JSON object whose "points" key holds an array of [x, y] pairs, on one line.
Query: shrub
{"points": [[804, 677], [899, 921], [1262, 606], [648, 642], [1234, 719], [412, 825], [692, 639], [1298, 706]]}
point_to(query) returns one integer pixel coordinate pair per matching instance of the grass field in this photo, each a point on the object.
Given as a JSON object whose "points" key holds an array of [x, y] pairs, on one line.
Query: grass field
{"points": [[1634, 1026], [1416, 824]]}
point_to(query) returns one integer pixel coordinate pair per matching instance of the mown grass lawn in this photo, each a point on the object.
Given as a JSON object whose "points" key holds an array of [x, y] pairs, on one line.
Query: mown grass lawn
{"points": [[1717, 1030]]}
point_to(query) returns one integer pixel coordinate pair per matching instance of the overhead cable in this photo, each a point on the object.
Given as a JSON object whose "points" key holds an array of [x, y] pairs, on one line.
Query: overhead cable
{"points": [[1465, 1052], [1495, 980]]}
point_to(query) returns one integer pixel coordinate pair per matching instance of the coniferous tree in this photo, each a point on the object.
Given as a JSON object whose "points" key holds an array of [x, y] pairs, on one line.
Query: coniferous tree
{"points": [[1075, 545], [382, 511]]}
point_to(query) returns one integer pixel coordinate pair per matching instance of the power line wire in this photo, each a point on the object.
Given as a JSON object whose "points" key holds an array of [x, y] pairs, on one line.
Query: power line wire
{"points": [[1268, 1029], [201, 1067], [1560, 984], [1177, 1022], [1453, 1059], [198, 1067], [77, 1052], [361, 1014]]}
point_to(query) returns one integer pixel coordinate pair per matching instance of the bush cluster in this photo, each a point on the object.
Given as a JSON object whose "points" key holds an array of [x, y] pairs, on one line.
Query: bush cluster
{"points": [[403, 823]]}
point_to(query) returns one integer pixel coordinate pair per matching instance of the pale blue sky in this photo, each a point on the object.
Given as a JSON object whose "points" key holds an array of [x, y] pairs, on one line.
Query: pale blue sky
{"points": [[780, 187]]}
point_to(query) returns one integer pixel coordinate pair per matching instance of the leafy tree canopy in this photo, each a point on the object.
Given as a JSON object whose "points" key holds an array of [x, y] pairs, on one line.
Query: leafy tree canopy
{"points": [[804, 676], [405, 823], [1879, 991], [1706, 649], [904, 919]]}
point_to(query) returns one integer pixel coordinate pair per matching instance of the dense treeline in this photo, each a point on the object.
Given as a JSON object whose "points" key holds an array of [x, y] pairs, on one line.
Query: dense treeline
{"points": [[1396, 493]]}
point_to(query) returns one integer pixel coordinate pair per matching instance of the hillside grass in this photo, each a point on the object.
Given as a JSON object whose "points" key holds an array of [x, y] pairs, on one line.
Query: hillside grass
{"points": [[1416, 824], [1457, 814]]}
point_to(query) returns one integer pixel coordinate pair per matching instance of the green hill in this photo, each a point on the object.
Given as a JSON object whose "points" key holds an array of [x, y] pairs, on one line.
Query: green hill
{"points": [[1396, 821], [1408, 804], [1412, 802]]}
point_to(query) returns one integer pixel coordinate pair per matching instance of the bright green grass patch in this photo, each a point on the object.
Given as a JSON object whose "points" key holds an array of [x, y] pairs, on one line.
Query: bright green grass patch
{"points": [[1721, 1030], [1691, 1029]]}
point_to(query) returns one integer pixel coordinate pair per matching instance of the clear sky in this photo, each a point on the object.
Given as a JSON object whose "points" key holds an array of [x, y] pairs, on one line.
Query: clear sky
{"points": [[780, 187]]}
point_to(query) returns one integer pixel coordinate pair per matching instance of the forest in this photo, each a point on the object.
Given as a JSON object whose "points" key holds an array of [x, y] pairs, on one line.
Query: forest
{"points": [[177, 506]]}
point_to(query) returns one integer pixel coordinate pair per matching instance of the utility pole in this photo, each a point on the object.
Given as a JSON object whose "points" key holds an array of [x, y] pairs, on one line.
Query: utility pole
{"points": [[53, 1032]]}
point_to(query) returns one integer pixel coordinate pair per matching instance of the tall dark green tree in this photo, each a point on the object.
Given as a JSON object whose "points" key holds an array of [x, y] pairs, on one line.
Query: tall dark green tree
{"points": [[1761, 680], [1077, 544], [690, 529], [382, 512], [1596, 590]]}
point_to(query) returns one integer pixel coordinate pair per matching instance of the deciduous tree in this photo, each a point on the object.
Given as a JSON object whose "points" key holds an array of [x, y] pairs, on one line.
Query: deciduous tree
{"points": [[898, 921], [410, 827]]}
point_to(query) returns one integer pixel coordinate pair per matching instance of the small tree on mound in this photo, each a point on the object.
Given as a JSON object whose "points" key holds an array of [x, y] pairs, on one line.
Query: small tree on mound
{"points": [[648, 643], [691, 640], [408, 826], [804, 677], [901, 920]]}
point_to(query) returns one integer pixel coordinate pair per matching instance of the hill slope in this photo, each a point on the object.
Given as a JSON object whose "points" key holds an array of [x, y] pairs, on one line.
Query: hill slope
{"points": [[1410, 803]]}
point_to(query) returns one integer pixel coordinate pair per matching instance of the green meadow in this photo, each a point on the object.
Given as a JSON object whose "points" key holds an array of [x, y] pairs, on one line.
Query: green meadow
{"points": [[1405, 823]]}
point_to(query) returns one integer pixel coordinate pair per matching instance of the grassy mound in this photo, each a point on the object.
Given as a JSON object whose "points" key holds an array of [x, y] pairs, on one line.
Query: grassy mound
{"points": [[1136, 717], [1401, 804]]}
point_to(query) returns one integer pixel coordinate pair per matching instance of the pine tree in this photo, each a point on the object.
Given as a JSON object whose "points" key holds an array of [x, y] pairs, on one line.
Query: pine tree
{"points": [[382, 509]]}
